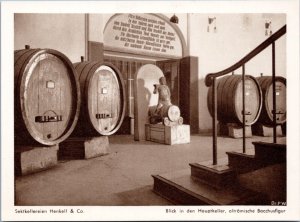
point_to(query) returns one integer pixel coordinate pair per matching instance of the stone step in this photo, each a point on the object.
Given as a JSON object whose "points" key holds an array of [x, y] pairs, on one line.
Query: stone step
{"points": [[270, 153], [265, 154], [242, 162], [183, 189], [270, 180], [213, 175], [83, 148], [261, 130]]}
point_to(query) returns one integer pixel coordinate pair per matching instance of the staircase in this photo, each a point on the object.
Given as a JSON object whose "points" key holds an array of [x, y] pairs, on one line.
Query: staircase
{"points": [[247, 178], [226, 184], [265, 154]]}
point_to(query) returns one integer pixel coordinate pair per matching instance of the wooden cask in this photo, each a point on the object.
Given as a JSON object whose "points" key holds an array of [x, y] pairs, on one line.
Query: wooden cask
{"points": [[266, 116], [229, 101], [172, 112], [103, 99], [47, 96]]}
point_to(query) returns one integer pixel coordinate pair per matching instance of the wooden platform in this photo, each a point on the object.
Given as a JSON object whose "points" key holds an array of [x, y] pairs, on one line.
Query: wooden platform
{"points": [[265, 154], [182, 189], [243, 162], [270, 153], [207, 184], [217, 176]]}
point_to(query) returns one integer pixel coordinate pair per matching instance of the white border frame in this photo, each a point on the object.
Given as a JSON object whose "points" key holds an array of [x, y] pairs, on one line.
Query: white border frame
{"points": [[290, 7]]}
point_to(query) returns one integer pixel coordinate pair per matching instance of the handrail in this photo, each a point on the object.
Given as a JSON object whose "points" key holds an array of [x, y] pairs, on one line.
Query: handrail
{"points": [[209, 77], [211, 80]]}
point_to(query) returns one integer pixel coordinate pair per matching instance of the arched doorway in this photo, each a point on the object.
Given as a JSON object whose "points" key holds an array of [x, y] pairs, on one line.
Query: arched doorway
{"points": [[133, 40]]}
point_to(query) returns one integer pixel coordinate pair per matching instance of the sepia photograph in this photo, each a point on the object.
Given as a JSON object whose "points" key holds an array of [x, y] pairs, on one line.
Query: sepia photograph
{"points": [[185, 112]]}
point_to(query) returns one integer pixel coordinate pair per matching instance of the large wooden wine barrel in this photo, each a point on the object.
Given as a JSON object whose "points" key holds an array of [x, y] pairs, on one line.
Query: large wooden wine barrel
{"points": [[103, 99], [266, 116], [229, 101], [47, 96]]}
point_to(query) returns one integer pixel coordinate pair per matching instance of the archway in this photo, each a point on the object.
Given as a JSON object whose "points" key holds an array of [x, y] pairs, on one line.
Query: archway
{"points": [[133, 40]]}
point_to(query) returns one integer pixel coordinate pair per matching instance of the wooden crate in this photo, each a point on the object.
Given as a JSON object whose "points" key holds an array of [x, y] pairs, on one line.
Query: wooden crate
{"points": [[170, 135]]}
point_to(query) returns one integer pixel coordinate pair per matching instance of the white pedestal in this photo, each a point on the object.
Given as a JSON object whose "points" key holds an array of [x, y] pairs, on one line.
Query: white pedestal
{"points": [[233, 130], [170, 135], [83, 148], [31, 159], [261, 130]]}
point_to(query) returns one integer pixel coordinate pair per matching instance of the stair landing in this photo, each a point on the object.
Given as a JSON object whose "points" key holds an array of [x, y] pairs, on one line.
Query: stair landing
{"points": [[181, 188]]}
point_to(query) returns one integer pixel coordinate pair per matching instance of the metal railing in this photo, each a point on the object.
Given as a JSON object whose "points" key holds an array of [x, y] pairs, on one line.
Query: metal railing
{"points": [[211, 80]]}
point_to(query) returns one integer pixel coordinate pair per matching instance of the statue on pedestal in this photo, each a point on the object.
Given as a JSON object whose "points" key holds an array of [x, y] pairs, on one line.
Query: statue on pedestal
{"points": [[165, 111]]}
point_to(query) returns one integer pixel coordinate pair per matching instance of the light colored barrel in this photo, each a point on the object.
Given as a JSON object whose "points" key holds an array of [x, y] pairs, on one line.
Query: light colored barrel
{"points": [[47, 96], [171, 111], [103, 99], [229, 102], [266, 116]]}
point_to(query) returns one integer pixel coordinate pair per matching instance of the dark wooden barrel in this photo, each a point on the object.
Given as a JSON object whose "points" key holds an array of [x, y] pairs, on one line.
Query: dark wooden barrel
{"points": [[229, 102], [266, 116], [47, 97], [103, 99]]}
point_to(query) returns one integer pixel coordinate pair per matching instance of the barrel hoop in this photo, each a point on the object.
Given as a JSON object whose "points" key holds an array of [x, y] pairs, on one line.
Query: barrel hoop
{"points": [[21, 53], [20, 67], [20, 64], [122, 94], [266, 83], [88, 71], [79, 68], [231, 96], [235, 86], [77, 64], [260, 98], [263, 81], [221, 101], [81, 71]]}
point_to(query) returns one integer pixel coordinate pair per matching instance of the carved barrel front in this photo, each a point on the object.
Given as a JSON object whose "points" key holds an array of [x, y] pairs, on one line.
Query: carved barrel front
{"points": [[47, 97], [103, 99]]}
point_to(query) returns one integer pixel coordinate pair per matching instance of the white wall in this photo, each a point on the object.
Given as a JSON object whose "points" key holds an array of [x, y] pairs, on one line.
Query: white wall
{"points": [[63, 32], [96, 26], [236, 36]]}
